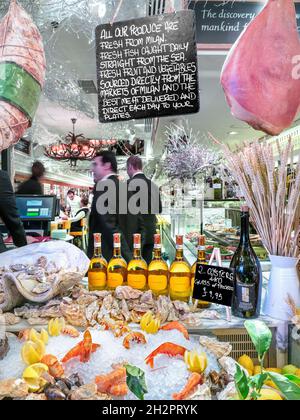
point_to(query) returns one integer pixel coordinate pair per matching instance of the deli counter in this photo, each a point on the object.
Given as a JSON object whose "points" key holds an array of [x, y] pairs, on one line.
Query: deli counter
{"points": [[218, 220]]}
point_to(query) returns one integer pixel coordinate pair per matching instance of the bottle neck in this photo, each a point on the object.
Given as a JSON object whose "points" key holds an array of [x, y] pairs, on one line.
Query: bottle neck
{"points": [[137, 253], [179, 255], [201, 256], [98, 252], [245, 237], [117, 252], [157, 253]]}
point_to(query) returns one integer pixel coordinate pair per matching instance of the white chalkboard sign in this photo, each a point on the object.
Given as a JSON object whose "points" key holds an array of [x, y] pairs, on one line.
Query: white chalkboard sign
{"points": [[147, 67], [214, 284]]}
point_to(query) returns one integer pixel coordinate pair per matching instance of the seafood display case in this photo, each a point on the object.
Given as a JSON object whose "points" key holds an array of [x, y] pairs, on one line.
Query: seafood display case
{"points": [[218, 220]]}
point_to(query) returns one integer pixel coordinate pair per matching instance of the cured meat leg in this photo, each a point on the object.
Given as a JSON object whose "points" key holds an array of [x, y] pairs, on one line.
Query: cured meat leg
{"points": [[257, 76], [22, 73]]}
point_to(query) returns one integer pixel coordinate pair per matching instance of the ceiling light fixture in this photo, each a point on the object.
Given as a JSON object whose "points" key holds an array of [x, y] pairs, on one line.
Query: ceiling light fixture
{"points": [[76, 147]]}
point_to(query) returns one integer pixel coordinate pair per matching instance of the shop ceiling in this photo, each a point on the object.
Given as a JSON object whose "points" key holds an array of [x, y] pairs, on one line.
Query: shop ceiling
{"points": [[71, 58]]}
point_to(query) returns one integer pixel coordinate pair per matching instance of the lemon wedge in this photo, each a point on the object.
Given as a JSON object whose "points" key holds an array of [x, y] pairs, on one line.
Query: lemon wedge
{"points": [[32, 352], [33, 376]]}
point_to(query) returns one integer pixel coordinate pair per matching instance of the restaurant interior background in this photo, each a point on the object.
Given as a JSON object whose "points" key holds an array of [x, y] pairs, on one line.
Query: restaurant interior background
{"points": [[206, 203], [70, 92]]}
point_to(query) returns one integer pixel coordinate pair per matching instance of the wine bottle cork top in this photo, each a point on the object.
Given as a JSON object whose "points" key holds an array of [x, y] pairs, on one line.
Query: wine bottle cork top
{"points": [[201, 240], [179, 239], [244, 209], [137, 239], [157, 239], [117, 238], [97, 237]]}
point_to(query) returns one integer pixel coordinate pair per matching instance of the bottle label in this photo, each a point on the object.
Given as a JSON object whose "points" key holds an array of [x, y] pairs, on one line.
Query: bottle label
{"points": [[136, 281], [114, 280], [217, 186], [157, 283], [246, 296], [157, 246], [180, 285], [180, 247], [97, 279], [201, 248]]}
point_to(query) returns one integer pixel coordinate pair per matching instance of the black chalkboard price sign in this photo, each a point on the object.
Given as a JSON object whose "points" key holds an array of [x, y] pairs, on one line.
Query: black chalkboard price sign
{"points": [[214, 284], [147, 67]]}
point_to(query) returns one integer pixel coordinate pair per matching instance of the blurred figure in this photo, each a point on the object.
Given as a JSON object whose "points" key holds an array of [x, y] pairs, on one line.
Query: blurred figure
{"points": [[82, 213], [152, 195], [9, 213], [73, 202], [33, 186], [108, 222]]}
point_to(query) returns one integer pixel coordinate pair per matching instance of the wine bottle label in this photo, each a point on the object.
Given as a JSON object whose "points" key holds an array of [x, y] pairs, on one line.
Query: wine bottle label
{"points": [[179, 247], [201, 248], [157, 246], [246, 296], [217, 186]]}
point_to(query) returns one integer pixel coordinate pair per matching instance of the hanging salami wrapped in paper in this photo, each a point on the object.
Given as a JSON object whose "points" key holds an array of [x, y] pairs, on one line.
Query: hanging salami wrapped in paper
{"points": [[22, 74]]}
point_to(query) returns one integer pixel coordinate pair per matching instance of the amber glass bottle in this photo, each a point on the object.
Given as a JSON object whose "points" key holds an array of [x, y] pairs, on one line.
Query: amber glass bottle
{"points": [[201, 259], [137, 267], [117, 266], [180, 274], [158, 271], [97, 274]]}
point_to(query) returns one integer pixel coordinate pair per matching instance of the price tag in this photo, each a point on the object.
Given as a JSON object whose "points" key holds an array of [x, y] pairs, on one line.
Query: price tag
{"points": [[214, 284]]}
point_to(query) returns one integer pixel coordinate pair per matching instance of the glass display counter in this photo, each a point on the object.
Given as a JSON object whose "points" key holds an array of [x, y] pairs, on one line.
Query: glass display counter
{"points": [[219, 221]]}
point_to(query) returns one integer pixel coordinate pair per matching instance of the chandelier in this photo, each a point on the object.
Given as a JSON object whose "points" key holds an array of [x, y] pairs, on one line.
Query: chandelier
{"points": [[76, 147]]}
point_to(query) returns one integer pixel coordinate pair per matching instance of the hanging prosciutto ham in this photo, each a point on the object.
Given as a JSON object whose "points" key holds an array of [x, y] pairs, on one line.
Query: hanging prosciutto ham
{"points": [[22, 74], [258, 77]]}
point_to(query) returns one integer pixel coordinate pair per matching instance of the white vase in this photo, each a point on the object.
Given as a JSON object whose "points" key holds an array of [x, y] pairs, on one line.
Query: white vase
{"points": [[284, 281]]}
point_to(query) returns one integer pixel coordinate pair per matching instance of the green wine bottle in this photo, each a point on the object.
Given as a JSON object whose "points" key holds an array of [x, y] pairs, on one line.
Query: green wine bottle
{"points": [[248, 283]]}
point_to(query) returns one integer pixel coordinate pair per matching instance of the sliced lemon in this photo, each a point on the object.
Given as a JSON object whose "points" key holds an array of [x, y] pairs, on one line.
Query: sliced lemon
{"points": [[32, 352], [33, 376], [44, 336], [196, 362], [56, 326]]}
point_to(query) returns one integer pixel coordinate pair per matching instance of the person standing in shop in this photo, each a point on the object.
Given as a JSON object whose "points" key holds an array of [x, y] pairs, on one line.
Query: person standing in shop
{"points": [[152, 197], [105, 217], [33, 186], [9, 213], [73, 202]]}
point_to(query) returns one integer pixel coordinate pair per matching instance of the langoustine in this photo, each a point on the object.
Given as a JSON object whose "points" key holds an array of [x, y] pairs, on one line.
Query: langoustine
{"points": [[194, 380], [175, 325], [134, 336], [83, 350], [169, 349], [113, 383]]}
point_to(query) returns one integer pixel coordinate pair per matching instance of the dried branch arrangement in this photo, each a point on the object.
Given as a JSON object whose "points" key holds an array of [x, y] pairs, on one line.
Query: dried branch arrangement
{"points": [[263, 185], [185, 157]]}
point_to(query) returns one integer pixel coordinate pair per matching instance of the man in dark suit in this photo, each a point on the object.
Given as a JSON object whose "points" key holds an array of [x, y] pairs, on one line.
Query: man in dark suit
{"points": [[149, 201], [105, 217], [9, 213], [33, 186]]}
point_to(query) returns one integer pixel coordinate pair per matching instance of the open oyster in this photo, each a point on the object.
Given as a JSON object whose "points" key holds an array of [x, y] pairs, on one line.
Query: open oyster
{"points": [[216, 347]]}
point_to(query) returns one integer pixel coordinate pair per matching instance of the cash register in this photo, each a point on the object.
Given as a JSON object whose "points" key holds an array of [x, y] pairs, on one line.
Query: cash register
{"points": [[37, 212]]}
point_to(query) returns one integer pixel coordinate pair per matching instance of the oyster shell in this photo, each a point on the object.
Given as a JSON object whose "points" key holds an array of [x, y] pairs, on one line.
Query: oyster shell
{"points": [[41, 288], [202, 393], [13, 388], [229, 365], [4, 347], [11, 319], [228, 393], [127, 292], [87, 392], [216, 347]]}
